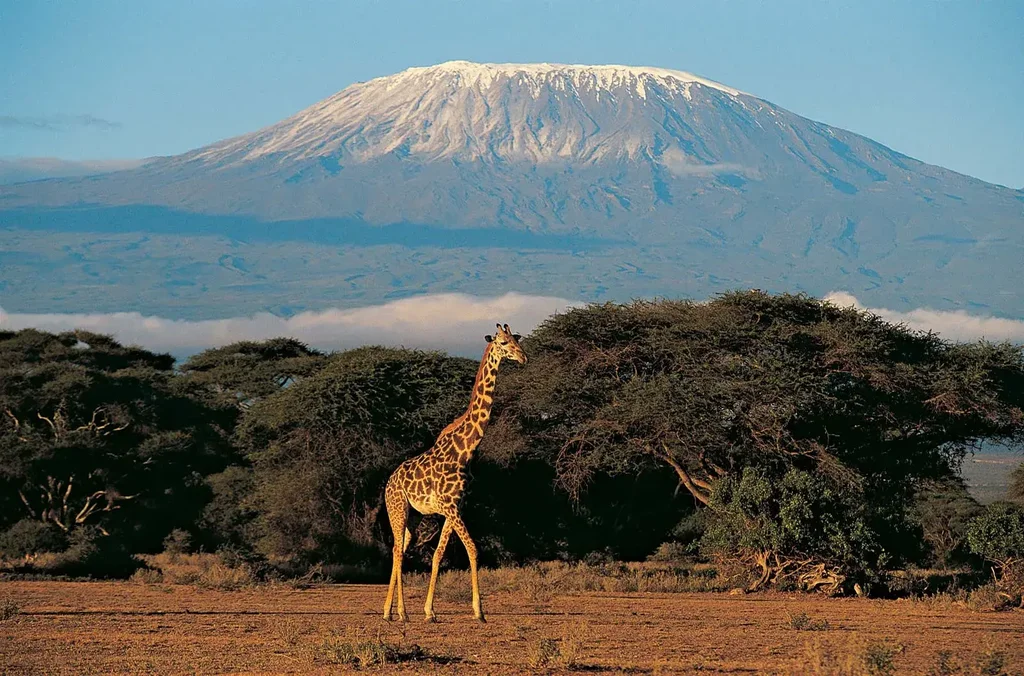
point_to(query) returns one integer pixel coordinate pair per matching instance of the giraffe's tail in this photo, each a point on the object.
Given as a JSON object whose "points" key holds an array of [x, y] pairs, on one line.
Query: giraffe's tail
{"points": [[407, 540]]}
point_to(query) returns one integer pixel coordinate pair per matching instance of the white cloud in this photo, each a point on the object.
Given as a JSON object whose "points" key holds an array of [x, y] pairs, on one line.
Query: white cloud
{"points": [[17, 169], [951, 325], [452, 322], [676, 161]]}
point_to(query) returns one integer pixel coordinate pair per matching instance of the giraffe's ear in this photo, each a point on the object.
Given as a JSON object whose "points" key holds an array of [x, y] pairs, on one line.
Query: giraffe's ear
{"points": [[516, 337], [488, 338]]}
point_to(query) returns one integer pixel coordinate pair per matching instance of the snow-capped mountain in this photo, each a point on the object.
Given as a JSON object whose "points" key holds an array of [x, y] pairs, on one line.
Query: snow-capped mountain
{"points": [[468, 112], [724, 188]]}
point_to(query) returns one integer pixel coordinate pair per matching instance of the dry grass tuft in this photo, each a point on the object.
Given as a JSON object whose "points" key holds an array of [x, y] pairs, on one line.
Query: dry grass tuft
{"points": [[540, 581], [803, 622], [988, 598], [8, 609], [572, 644], [566, 651], [990, 662], [207, 571], [361, 651], [860, 658], [543, 652]]}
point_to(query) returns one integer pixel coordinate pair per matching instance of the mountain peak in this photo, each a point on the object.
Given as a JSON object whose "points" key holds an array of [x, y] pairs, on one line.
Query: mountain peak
{"points": [[459, 110], [603, 76]]}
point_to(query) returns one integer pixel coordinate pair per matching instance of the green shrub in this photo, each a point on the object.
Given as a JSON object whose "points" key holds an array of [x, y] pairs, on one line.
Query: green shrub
{"points": [[997, 535], [799, 529], [31, 536], [944, 510]]}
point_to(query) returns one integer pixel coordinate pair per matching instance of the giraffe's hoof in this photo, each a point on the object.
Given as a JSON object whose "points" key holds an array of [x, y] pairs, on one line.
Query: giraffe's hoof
{"points": [[481, 618], [431, 618]]}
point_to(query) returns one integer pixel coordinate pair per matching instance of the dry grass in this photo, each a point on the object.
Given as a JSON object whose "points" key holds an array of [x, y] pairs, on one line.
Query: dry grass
{"points": [[988, 598], [539, 582], [566, 651], [118, 627], [859, 658], [804, 622], [989, 662], [8, 609], [363, 653], [365, 649], [862, 657], [207, 571]]}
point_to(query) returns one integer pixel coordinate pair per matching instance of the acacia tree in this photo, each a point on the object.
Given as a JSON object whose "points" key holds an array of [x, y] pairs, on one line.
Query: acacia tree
{"points": [[242, 373], [748, 379], [322, 449], [97, 435]]}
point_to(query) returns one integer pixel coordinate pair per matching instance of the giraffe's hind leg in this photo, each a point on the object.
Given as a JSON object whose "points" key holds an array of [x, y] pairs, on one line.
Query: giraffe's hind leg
{"points": [[398, 511]]}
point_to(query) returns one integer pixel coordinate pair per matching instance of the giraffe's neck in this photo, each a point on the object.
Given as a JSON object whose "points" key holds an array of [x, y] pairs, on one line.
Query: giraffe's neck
{"points": [[468, 429]]}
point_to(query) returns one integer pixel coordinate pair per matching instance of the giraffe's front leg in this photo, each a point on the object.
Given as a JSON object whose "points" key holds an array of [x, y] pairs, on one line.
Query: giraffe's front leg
{"points": [[463, 533], [446, 532], [398, 511]]}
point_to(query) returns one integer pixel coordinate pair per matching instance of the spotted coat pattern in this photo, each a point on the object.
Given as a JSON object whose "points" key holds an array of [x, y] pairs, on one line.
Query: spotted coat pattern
{"points": [[433, 482]]}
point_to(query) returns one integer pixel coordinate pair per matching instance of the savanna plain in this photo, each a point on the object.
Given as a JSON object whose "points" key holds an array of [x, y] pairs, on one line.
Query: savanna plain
{"points": [[55, 627]]}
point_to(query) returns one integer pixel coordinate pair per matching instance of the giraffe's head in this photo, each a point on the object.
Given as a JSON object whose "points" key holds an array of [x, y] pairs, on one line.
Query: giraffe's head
{"points": [[506, 344]]}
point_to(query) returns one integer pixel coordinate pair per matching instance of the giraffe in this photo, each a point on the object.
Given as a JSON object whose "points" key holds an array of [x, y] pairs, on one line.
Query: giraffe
{"points": [[433, 482]]}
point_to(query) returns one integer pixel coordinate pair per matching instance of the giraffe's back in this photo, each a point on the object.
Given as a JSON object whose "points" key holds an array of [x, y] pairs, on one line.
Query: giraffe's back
{"points": [[432, 483]]}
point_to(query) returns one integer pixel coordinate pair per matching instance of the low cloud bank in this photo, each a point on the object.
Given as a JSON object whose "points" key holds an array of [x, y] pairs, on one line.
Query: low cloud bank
{"points": [[452, 322], [680, 164], [57, 122], [18, 169], [951, 325]]}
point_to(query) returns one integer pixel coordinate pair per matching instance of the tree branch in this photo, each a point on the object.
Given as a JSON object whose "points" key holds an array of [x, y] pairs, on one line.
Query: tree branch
{"points": [[701, 491]]}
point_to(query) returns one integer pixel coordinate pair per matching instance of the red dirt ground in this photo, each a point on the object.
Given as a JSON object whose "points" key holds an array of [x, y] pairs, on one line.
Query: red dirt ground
{"points": [[123, 627]]}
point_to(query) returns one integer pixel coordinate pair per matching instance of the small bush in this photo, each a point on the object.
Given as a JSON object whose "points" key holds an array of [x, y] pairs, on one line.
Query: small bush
{"points": [[208, 571], [803, 622], [178, 542], [990, 662], [990, 597], [880, 657], [544, 652], [797, 530], [872, 658], [566, 651], [367, 653], [571, 646], [88, 553], [31, 536], [669, 552], [146, 576], [997, 535], [8, 609]]}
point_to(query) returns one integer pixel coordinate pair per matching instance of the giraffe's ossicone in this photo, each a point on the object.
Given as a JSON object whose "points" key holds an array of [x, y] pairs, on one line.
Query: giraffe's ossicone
{"points": [[433, 482]]}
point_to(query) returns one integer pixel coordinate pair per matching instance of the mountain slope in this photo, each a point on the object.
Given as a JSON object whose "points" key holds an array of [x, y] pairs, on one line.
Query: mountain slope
{"points": [[642, 160]]}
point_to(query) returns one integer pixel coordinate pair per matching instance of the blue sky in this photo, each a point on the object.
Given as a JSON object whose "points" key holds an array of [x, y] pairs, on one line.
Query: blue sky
{"points": [[942, 81]]}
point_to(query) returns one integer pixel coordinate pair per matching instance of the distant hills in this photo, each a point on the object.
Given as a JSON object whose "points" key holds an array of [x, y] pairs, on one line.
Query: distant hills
{"points": [[584, 182]]}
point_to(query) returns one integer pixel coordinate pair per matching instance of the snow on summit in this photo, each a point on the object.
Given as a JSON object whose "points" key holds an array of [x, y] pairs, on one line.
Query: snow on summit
{"points": [[604, 77], [489, 112]]}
